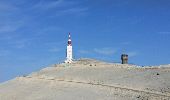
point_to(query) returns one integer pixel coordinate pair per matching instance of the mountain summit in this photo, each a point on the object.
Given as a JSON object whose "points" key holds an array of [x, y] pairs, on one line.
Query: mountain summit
{"points": [[89, 79]]}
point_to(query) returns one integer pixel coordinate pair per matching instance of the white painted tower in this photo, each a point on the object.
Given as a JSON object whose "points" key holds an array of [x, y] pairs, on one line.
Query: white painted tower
{"points": [[69, 52]]}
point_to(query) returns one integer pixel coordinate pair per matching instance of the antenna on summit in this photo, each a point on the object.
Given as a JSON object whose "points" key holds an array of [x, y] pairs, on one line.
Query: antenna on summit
{"points": [[69, 35]]}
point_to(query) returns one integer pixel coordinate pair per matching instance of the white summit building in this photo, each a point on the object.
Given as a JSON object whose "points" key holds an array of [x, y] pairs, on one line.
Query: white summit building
{"points": [[69, 52]]}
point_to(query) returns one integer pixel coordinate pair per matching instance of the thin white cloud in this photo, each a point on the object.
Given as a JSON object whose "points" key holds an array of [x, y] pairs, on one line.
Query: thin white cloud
{"points": [[8, 28], [105, 51], [132, 54], [22, 43], [75, 10], [4, 53], [47, 30], [84, 51], [60, 7], [54, 50], [45, 5], [164, 33], [55, 44], [126, 43], [11, 24], [5, 7]]}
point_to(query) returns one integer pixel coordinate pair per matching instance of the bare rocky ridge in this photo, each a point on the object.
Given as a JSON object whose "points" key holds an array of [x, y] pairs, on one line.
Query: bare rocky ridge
{"points": [[88, 79]]}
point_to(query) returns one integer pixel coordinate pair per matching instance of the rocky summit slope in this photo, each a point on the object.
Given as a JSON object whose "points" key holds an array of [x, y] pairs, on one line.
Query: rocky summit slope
{"points": [[88, 79]]}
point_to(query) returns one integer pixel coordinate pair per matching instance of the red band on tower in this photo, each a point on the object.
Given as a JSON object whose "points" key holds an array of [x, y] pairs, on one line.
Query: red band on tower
{"points": [[69, 39]]}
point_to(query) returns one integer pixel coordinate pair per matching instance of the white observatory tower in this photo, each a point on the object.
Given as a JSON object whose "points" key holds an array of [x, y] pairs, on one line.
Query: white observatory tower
{"points": [[69, 52]]}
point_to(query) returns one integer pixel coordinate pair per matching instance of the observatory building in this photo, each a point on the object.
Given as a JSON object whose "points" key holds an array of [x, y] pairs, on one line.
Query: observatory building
{"points": [[69, 52], [124, 58]]}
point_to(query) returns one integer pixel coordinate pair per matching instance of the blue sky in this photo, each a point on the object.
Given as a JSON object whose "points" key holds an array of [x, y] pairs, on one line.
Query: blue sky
{"points": [[33, 33]]}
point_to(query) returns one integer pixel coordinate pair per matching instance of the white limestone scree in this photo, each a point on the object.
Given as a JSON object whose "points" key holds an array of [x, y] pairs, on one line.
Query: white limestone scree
{"points": [[69, 51]]}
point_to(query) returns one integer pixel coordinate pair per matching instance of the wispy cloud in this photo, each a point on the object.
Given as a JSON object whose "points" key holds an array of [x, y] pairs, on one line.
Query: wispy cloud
{"points": [[8, 28], [15, 41], [164, 33], [4, 53], [45, 5], [8, 23], [102, 51], [132, 54], [75, 11], [47, 30], [49, 5], [54, 50], [54, 44], [60, 7], [84, 51], [125, 43], [105, 51], [5, 7], [22, 43]]}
